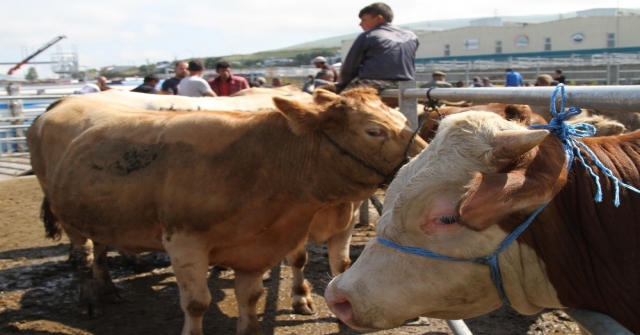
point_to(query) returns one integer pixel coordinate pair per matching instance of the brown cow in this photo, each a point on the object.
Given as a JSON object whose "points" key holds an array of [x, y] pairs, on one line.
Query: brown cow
{"points": [[479, 179], [231, 189], [332, 224]]}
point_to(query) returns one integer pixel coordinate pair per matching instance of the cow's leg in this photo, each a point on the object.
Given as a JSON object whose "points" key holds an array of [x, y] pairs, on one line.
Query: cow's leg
{"points": [[248, 288], [81, 256], [300, 290], [190, 262], [338, 244], [106, 290]]}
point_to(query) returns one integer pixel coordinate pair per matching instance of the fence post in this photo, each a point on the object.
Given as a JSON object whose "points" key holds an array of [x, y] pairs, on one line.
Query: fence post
{"points": [[608, 69], [408, 106], [617, 82], [15, 106]]}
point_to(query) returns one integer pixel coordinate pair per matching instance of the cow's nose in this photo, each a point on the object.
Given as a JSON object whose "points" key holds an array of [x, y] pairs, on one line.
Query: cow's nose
{"points": [[339, 305]]}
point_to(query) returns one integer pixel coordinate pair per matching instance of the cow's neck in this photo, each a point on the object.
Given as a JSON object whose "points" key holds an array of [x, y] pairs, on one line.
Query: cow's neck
{"points": [[311, 165], [592, 250]]}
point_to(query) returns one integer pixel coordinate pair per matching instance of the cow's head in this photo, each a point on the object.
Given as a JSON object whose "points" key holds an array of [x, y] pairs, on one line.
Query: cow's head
{"points": [[358, 122], [479, 178]]}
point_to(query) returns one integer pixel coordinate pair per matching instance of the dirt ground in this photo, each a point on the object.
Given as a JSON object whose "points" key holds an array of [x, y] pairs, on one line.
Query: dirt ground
{"points": [[38, 291]]}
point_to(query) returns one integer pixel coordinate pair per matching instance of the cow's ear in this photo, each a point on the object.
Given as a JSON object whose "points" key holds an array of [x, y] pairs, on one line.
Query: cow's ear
{"points": [[536, 178], [302, 118], [508, 145], [322, 96]]}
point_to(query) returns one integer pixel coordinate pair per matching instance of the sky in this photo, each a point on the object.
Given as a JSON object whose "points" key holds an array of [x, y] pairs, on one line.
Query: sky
{"points": [[134, 32]]}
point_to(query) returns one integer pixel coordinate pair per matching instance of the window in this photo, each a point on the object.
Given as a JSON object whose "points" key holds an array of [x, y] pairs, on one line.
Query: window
{"points": [[498, 47], [447, 50], [611, 40], [547, 44]]}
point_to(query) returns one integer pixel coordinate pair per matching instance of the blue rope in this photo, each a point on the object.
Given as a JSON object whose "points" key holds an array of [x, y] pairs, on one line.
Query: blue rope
{"points": [[491, 260], [567, 134]]}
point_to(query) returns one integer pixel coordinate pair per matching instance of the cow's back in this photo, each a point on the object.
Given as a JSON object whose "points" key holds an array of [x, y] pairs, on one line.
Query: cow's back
{"points": [[105, 170]]}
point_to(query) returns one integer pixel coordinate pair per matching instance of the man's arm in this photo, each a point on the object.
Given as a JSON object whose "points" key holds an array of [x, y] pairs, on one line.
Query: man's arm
{"points": [[351, 64]]}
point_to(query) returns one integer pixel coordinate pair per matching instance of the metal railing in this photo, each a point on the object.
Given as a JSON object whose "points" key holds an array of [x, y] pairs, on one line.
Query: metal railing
{"points": [[12, 128], [623, 98]]}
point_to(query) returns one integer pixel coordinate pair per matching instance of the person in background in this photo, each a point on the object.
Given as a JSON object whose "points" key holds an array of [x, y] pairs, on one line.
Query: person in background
{"points": [[100, 85], [323, 77], [476, 82], [89, 88], [437, 80], [193, 85], [170, 86], [275, 82], [149, 85], [487, 82], [380, 56], [460, 83], [559, 77], [513, 79], [321, 63], [226, 83]]}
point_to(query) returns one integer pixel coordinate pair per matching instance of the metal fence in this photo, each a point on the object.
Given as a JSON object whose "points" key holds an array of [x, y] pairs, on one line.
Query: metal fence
{"points": [[623, 98], [17, 121]]}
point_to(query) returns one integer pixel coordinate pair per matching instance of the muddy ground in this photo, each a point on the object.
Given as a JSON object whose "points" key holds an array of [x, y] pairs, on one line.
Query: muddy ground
{"points": [[38, 292]]}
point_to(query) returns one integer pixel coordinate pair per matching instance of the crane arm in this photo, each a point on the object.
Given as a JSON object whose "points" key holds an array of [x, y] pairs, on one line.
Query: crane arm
{"points": [[43, 48]]}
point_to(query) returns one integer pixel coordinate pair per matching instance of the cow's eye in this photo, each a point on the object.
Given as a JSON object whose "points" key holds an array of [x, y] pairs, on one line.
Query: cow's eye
{"points": [[376, 132], [447, 219]]}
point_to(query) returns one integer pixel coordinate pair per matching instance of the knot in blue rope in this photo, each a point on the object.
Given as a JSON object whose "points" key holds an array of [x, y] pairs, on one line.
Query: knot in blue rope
{"points": [[568, 133]]}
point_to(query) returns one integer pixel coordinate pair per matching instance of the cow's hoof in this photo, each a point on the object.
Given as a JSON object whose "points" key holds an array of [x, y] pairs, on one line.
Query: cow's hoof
{"points": [[304, 306]]}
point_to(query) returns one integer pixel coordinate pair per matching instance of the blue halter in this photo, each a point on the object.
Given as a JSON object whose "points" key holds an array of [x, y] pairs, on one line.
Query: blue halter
{"points": [[567, 134]]}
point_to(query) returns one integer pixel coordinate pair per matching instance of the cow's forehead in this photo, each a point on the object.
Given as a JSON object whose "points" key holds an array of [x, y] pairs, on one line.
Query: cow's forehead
{"points": [[446, 165], [399, 119]]}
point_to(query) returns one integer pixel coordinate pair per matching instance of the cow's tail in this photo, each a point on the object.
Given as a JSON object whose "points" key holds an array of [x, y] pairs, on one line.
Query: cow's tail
{"points": [[51, 224]]}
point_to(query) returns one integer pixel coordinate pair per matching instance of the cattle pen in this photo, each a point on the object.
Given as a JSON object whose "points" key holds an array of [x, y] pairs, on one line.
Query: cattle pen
{"points": [[621, 98]]}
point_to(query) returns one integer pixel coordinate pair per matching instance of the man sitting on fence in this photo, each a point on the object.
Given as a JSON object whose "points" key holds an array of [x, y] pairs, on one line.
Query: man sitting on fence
{"points": [[382, 55]]}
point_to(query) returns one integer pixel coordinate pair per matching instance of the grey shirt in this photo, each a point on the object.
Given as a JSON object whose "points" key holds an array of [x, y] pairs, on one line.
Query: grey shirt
{"points": [[385, 52], [193, 87]]}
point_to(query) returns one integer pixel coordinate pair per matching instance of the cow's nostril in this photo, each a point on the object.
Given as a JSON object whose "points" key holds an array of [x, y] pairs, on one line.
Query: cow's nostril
{"points": [[344, 308], [341, 307]]}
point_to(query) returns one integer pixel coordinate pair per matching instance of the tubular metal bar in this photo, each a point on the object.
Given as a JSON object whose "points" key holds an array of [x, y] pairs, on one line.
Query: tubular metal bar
{"points": [[16, 118], [32, 97], [595, 323], [458, 327], [621, 98]]}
